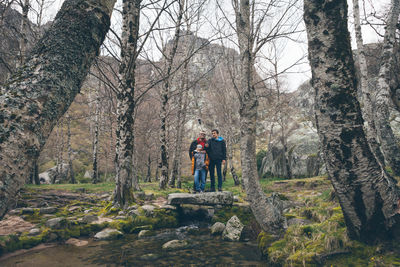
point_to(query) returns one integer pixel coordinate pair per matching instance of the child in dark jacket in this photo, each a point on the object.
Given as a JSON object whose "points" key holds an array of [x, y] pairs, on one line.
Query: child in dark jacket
{"points": [[200, 164]]}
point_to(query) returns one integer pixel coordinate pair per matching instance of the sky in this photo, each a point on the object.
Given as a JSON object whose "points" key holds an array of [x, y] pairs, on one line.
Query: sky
{"points": [[291, 51]]}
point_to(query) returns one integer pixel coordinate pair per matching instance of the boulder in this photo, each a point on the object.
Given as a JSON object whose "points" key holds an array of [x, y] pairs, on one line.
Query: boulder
{"points": [[56, 223], [175, 244], [51, 175], [27, 211], [210, 199], [217, 228], [108, 234], [34, 232], [299, 221], [144, 233], [233, 229], [88, 174]]}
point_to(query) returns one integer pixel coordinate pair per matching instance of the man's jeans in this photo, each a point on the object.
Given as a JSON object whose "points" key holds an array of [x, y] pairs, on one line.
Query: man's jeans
{"points": [[211, 168], [199, 180]]}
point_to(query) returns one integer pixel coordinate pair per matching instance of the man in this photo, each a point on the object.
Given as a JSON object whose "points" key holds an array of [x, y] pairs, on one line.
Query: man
{"points": [[201, 140], [217, 153]]}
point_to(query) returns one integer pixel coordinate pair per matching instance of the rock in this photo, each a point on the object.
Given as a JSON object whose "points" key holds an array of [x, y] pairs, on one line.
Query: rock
{"points": [[89, 218], [51, 174], [196, 212], [108, 234], [88, 174], [27, 211], [235, 198], [104, 195], [14, 212], [293, 221], [210, 199], [88, 210], [148, 209], [175, 244], [168, 207], [34, 231], [101, 220], [144, 233], [149, 256], [76, 242], [48, 210], [74, 208], [133, 207], [56, 223], [52, 237], [217, 228], [233, 229], [120, 217], [134, 213]]}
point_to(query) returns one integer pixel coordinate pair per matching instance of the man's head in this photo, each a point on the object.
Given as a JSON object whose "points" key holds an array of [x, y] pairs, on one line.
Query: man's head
{"points": [[199, 147], [215, 133], [202, 134]]}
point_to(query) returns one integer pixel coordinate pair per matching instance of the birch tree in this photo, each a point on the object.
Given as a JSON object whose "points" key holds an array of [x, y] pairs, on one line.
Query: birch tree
{"points": [[368, 102], [34, 99], [390, 148], [368, 196]]}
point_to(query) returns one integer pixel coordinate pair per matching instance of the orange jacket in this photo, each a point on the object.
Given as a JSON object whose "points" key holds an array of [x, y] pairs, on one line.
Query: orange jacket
{"points": [[207, 162]]}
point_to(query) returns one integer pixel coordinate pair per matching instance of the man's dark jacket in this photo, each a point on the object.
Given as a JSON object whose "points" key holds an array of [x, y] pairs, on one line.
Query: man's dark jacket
{"points": [[216, 148]]}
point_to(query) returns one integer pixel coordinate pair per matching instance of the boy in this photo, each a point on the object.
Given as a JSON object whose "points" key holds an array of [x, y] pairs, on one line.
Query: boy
{"points": [[200, 164]]}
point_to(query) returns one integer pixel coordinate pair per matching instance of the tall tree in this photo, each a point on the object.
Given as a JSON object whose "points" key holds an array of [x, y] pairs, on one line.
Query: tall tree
{"points": [[126, 104], [165, 94], [34, 100], [368, 196], [390, 148], [368, 103], [267, 214]]}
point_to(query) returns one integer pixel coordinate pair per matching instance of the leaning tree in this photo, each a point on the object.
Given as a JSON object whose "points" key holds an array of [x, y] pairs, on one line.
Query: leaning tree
{"points": [[41, 91]]}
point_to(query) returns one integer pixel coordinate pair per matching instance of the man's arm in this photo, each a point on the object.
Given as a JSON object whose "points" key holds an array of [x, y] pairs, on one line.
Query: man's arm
{"points": [[191, 148], [223, 150]]}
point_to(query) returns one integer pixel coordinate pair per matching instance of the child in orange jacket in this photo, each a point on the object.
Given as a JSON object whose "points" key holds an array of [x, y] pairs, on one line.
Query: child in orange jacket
{"points": [[200, 164]]}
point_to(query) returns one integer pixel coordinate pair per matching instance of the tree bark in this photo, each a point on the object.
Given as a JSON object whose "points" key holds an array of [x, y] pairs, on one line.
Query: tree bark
{"points": [[368, 104], [368, 196], [165, 99], [40, 93], [126, 104], [266, 213], [24, 31], [390, 148]]}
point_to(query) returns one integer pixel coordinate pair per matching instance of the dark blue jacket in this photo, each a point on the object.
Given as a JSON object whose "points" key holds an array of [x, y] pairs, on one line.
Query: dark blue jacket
{"points": [[216, 148]]}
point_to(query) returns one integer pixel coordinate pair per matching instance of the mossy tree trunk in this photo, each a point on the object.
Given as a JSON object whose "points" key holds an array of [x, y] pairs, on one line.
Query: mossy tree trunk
{"points": [[37, 96], [126, 105], [368, 196]]}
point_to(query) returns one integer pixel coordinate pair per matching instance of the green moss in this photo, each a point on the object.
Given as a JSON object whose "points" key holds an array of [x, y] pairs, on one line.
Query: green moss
{"points": [[243, 213], [264, 240]]}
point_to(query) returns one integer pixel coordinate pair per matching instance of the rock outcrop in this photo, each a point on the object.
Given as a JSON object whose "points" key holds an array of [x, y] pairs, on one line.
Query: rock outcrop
{"points": [[108, 234], [52, 174]]}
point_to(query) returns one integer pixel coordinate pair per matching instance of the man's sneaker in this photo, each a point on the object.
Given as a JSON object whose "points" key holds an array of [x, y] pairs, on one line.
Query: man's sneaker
{"points": [[219, 189], [201, 191]]}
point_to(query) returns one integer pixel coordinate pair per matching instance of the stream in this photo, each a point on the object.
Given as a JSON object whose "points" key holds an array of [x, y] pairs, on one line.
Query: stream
{"points": [[203, 250]]}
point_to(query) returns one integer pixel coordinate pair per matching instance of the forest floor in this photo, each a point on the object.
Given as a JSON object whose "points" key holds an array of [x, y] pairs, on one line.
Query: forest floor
{"points": [[316, 233]]}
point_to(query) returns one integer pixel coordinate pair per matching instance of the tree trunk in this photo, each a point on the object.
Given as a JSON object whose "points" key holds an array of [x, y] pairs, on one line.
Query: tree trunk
{"points": [[71, 175], [95, 177], [126, 104], [266, 213], [148, 175], [165, 99], [368, 104], [368, 196], [36, 98], [34, 175], [390, 148], [24, 31]]}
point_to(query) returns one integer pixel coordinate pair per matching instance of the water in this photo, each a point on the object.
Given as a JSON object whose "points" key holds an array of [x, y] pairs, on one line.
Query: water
{"points": [[203, 250]]}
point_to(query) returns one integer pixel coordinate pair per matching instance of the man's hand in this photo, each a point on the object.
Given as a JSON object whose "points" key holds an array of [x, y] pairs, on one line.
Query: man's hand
{"points": [[206, 144], [223, 162]]}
